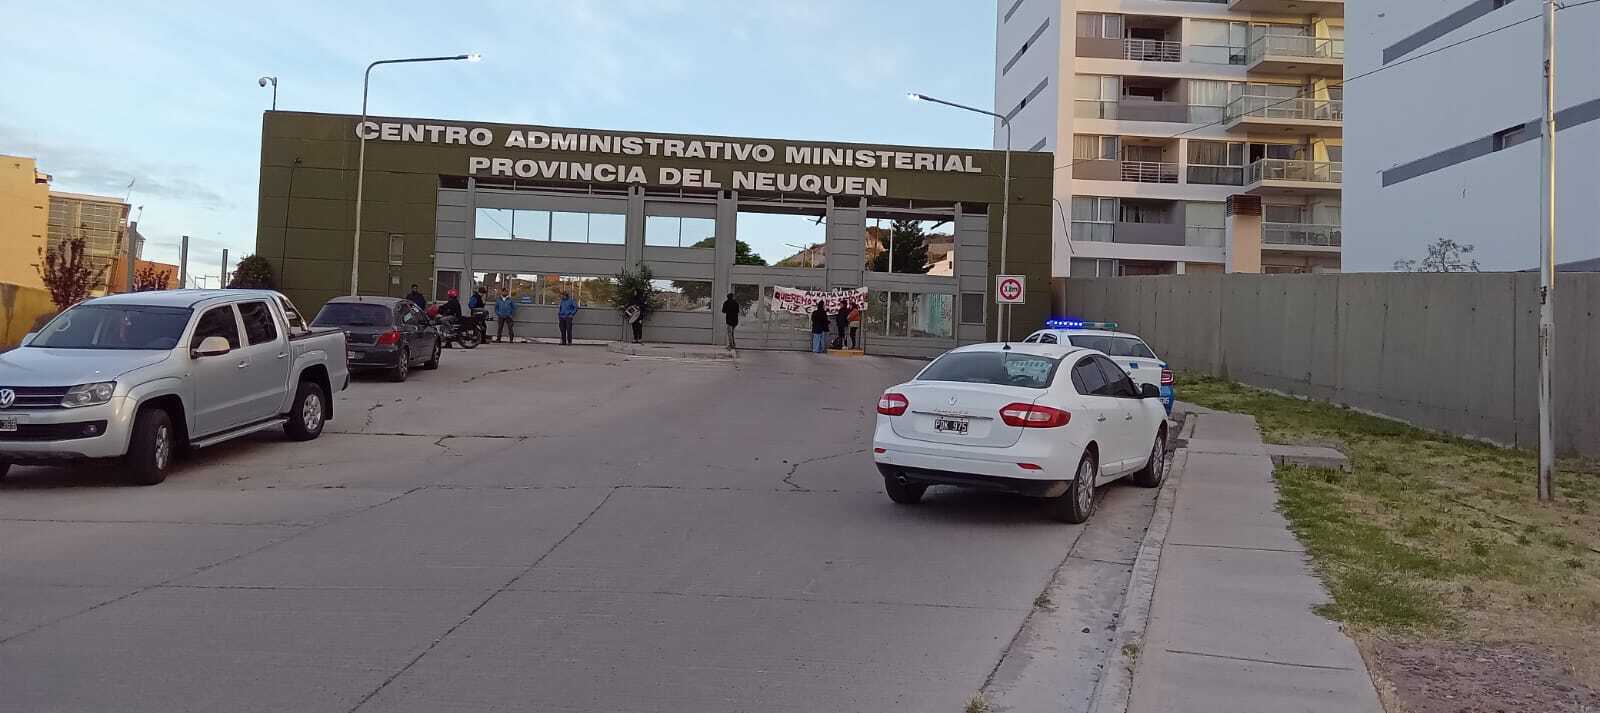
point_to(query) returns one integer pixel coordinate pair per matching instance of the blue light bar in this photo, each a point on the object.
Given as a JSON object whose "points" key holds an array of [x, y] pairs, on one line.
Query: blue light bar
{"points": [[1073, 323]]}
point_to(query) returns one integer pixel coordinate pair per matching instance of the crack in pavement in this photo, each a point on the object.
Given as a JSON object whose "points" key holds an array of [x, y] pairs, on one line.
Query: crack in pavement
{"points": [[495, 372], [795, 467], [371, 412], [1016, 638]]}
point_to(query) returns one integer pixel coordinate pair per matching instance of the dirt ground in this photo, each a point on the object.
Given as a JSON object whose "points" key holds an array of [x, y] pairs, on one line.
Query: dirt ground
{"points": [[1433, 677]]}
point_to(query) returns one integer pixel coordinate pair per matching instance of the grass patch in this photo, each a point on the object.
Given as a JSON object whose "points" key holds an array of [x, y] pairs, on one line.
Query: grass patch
{"points": [[1433, 535], [978, 704]]}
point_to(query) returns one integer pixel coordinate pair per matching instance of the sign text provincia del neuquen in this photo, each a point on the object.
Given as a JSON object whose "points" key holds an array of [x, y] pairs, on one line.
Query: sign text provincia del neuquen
{"points": [[654, 146]]}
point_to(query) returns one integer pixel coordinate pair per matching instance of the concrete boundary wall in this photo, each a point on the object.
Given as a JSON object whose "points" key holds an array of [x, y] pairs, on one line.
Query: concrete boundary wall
{"points": [[1454, 353]]}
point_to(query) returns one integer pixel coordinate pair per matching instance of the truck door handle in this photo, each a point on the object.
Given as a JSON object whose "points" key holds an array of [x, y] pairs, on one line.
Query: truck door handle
{"points": [[282, 355], [1102, 417], [1128, 417], [242, 364]]}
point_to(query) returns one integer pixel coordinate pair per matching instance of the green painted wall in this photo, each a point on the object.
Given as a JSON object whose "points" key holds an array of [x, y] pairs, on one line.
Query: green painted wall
{"points": [[308, 236]]}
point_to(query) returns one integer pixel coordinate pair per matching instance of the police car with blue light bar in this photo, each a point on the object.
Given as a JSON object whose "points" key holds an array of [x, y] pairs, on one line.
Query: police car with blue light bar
{"points": [[1127, 350]]}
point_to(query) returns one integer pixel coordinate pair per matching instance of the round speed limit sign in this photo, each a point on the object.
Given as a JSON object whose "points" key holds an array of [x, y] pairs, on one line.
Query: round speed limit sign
{"points": [[1008, 289]]}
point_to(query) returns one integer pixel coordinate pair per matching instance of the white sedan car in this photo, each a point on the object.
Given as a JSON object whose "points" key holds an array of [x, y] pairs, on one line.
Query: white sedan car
{"points": [[1046, 420]]}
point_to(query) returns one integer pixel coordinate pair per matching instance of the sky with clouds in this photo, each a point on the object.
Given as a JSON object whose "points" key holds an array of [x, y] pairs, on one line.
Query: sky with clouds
{"points": [[165, 94]]}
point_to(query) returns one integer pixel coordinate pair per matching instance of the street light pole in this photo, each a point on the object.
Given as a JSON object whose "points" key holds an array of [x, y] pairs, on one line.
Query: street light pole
{"points": [[1005, 193], [1547, 256], [269, 79], [361, 163]]}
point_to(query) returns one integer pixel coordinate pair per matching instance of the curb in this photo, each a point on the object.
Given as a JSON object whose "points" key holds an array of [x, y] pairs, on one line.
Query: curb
{"points": [[1115, 689]]}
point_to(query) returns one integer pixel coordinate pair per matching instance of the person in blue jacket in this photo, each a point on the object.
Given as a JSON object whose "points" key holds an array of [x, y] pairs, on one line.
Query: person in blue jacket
{"points": [[505, 312], [564, 314]]}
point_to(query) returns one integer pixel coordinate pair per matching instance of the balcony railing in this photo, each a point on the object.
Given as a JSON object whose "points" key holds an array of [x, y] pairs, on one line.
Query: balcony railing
{"points": [[1306, 108], [1152, 50], [1328, 236], [1292, 46], [1279, 169], [1149, 172]]}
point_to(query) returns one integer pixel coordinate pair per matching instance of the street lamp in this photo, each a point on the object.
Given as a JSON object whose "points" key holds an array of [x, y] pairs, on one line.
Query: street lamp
{"points": [[1005, 190], [361, 163], [264, 81]]}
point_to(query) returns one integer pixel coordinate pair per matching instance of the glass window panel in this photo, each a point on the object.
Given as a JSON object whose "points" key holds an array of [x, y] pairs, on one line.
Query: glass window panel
{"points": [[1113, 28], [899, 314], [1110, 88], [876, 319], [684, 295], [569, 227], [931, 315], [494, 223], [1085, 148], [1087, 86], [1206, 32], [699, 232], [1282, 213], [1082, 208], [608, 228], [1089, 24], [746, 296], [1205, 215]]}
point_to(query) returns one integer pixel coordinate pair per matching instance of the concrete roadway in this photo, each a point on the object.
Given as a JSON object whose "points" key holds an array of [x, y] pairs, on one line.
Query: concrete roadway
{"points": [[539, 528]]}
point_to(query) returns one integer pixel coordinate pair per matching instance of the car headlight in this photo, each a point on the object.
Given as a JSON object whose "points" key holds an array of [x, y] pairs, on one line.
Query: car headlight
{"points": [[89, 394]]}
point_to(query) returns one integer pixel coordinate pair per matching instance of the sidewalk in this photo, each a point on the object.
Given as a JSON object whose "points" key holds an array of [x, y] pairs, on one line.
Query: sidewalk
{"points": [[1231, 626]]}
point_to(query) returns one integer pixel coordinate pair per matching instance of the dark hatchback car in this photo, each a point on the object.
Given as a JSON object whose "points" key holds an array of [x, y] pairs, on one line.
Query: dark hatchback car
{"points": [[383, 333]]}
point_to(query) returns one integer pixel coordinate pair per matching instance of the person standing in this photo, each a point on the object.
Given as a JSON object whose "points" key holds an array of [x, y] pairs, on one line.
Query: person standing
{"points": [[505, 312], [475, 300], [841, 320], [730, 314], [415, 295], [565, 312], [819, 328], [855, 326]]}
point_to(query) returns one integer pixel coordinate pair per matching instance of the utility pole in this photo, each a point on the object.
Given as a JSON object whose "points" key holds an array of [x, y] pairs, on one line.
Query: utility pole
{"points": [[183, 263], [1547, 256], [222, 277]]}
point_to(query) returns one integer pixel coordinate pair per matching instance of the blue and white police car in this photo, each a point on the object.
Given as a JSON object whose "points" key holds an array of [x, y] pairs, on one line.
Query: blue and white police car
{"points": [[1127, 350]]}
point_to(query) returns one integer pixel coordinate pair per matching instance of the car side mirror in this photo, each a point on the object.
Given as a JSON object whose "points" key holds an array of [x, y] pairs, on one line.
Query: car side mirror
{"points": [[1149, 391], [212, 346]]}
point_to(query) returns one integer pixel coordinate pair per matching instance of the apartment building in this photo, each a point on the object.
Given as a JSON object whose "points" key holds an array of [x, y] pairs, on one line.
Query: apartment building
{"points": [[1463, 163], [24, 203], [101, 221], [1189, 135]]}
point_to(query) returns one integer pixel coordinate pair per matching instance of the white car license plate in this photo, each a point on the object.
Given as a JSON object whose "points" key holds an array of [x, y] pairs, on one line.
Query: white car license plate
{"points": [[8, 424], [951, 425], [353, 356]]}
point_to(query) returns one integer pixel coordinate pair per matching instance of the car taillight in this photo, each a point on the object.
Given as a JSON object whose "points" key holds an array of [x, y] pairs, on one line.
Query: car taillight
{"points": [[1034, 416], [892, 404], [389, 338], [1166, 377]]}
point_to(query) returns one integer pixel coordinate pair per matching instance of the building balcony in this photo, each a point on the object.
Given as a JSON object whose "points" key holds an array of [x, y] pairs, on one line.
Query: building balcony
{"points": [[1284, 54], [1152, 50], [1132, 110], [1149, 172], [1298, 116], [1301, 237], [1325, 8], [1277, 175]]}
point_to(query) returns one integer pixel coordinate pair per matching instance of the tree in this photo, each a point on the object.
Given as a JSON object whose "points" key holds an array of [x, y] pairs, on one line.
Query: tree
{"points": [[636, 288], [252, 273], [67, 272], [910, 246], [1444, 255], [149, 279]]}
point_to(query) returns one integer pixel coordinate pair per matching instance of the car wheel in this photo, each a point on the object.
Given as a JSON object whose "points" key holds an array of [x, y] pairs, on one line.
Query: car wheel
{"points": [[308, 415], [433, 363], [903, 493], [402, 366], [1077, 503], [1155, 469], [151, 447]]}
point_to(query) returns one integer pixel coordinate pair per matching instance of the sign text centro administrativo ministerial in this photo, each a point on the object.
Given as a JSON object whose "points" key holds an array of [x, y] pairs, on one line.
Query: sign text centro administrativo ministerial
{"points": [[625, 146]]}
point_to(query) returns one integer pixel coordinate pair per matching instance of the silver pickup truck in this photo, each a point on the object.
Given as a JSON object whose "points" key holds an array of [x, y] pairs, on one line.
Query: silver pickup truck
{"points": [[144, 376]]}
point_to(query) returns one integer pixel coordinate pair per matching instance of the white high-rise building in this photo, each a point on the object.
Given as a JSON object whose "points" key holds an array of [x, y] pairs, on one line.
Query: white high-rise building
{"points": [[1190, 135], [1446, 145]]}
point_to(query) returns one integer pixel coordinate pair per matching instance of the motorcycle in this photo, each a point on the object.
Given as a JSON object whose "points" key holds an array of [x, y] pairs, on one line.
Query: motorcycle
{"points": [[467, 332]]}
